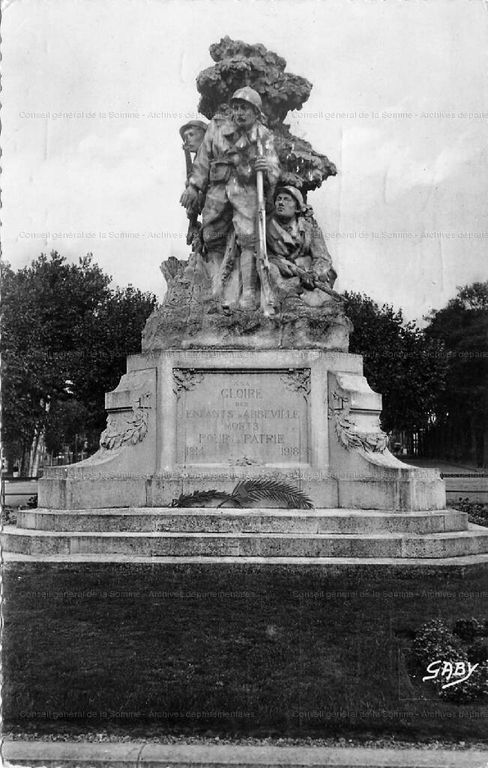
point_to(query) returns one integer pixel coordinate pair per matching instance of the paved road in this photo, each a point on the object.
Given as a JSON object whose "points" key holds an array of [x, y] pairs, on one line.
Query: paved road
{"points": [[446, 467]]}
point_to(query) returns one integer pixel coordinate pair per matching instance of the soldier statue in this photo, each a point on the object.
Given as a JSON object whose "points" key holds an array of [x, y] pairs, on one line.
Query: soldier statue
{"points": [[235, 152], [192, 134], [300, 262]]}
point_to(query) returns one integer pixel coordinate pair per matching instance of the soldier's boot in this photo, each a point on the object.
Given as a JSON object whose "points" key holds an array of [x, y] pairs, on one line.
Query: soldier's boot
{"points": [[250, 294]]}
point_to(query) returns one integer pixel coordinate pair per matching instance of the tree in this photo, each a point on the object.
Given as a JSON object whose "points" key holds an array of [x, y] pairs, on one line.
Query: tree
{"points": [[462, 326], [400, 362], [65, 336], [238, 64]]}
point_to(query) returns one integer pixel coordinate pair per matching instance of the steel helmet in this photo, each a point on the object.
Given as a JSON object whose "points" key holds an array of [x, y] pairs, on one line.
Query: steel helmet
{"points": [[193, 124], [295, 193], [250, 95]]}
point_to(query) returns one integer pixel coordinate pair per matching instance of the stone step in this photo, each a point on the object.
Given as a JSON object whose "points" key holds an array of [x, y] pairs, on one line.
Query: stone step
{"points": [[461, 561], [169, 544], [205, 520]]}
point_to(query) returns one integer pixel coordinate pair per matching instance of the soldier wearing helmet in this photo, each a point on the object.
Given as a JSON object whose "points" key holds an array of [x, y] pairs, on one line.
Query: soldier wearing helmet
{"points": [[192, 134], [299, 259], [224, 170]]}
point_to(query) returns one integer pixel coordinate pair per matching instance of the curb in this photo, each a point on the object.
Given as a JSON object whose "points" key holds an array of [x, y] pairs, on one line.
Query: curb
{"points": [[152, 755]]}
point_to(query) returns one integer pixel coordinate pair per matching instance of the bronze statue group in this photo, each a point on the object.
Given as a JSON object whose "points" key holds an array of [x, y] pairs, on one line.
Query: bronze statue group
{"points": [[258, 238]]}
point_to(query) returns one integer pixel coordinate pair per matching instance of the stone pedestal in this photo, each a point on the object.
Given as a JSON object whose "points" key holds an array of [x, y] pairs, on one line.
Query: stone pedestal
{"points": [[201, 419]]}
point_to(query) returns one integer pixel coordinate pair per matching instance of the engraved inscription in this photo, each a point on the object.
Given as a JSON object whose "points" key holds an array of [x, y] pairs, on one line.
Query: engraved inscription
{"points": [[243, 418]]}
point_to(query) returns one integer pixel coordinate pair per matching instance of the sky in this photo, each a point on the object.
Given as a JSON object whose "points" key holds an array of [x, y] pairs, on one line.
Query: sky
{"points": [[94, 92]]}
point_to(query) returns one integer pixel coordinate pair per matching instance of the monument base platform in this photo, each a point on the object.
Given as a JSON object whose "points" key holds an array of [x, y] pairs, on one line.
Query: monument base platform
{"points": [[295, 432], [186, 421], [245, 533]]}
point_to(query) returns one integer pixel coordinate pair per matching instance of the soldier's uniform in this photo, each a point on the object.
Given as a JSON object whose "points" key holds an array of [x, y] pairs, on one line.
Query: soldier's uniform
{"points": [[300, 243], [224, 171], [193, 237]]}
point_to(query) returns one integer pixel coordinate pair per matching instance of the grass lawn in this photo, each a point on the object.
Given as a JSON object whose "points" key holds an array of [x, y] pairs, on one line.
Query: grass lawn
{"points": [[230, 649]]}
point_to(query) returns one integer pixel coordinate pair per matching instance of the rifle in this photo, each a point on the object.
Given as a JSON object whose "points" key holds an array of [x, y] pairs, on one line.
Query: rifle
{"points": [[318, 282], [193, 225], [262, 262], [188, 161]]}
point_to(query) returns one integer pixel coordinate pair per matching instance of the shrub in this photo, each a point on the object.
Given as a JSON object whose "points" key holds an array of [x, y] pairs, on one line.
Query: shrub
{"points": [[469, 690], [478, 651], [9, 516], [434, 641], [477, 513], [467, 629]]}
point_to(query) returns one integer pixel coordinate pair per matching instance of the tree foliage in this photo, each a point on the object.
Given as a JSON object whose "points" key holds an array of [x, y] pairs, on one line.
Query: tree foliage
{"points": [[65, 337], [400, 361], [462, 326], [238, 64]]}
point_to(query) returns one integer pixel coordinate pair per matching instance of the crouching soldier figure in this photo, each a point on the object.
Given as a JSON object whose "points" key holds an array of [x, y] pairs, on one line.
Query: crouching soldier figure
{"points": [[299, 260], [233, 151]]}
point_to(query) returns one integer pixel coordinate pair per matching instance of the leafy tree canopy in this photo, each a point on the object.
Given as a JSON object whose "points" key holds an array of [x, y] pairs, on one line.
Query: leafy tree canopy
{"points": [[65, 337], [462, 326], [406, 367]]}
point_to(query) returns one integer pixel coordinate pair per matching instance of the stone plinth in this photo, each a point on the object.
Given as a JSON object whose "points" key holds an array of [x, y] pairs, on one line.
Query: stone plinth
{"points": [[246, 533], [243, 521], [187, 420]]}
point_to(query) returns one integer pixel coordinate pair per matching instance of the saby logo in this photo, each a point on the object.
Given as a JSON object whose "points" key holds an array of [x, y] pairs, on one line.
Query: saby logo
{"points": [[452, 673]]}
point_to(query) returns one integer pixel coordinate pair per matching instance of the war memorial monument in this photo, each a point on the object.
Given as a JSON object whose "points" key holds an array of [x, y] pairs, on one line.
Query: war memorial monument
{"points": [[245, 428], [243, 554]]}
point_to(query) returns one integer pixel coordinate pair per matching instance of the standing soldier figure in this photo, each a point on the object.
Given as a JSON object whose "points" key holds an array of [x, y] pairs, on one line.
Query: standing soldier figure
{"points": [[225, 169], [192, 134]]}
